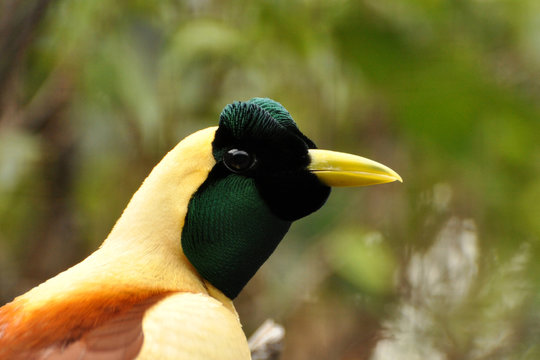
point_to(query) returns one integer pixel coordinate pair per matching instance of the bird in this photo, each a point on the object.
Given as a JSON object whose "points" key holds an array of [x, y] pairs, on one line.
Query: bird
{"points": [[210, 213]]}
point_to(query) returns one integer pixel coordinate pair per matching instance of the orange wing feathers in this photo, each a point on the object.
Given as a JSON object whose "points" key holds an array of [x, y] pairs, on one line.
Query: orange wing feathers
{"points": [[82, 321]]}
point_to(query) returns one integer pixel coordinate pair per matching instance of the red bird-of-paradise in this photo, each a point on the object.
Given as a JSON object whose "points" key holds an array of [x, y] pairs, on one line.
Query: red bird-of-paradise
{"points": [[209, 214]]}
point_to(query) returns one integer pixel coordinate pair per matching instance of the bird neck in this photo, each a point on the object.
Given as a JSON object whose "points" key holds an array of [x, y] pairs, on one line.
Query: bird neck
{"points": [[146, 238], [230, 232]]}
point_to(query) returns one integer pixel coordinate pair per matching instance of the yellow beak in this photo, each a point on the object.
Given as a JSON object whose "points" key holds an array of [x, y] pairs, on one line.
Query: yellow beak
{"points": [[341, 169]]}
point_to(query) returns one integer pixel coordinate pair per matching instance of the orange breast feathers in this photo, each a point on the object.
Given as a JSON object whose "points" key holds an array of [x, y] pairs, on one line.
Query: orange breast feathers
{"points": [[81, 322]]}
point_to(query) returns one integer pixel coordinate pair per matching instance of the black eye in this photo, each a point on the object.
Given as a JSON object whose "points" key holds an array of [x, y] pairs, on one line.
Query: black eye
{"points": [[238, 160]]}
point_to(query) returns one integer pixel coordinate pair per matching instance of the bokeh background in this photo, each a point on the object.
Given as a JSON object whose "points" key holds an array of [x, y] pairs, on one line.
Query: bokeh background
{"points": [[446, 92]]}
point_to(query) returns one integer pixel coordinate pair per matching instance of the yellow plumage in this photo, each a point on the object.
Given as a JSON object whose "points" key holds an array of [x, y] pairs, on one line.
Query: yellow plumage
{"points": [[143, 254], [207, 317], [138, 295]]}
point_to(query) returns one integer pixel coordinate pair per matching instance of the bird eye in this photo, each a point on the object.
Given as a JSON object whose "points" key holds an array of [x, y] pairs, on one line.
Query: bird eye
{"points": [[238, 160]]}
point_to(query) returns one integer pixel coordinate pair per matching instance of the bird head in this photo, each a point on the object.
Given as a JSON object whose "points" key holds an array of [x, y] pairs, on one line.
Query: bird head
{"points": [[266, 175]]}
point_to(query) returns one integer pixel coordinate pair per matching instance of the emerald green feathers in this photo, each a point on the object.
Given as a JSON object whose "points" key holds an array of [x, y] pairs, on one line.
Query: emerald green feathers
{"points": [[259, 185]]}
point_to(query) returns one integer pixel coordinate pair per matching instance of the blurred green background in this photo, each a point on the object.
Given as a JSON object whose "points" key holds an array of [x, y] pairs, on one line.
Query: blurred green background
{"points": [[446, 92]]}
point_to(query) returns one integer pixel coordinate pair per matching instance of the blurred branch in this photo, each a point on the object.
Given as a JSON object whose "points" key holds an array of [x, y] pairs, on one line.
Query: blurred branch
{"points": [[266, 343], [49, 101], [56, 230], [44, 114], [18, 23]]}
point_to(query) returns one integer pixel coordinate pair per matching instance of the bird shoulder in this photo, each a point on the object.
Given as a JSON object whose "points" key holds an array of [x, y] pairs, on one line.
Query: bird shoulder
{"points": [[70, 326]]}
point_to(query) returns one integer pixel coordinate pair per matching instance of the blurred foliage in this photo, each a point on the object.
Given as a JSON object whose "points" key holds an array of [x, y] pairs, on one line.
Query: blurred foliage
{"points": [[446, 92]]}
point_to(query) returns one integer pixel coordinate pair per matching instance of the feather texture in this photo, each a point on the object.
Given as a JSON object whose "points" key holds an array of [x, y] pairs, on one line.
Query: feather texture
{"points": [[95, 309], [204, 330], [78, 324]]}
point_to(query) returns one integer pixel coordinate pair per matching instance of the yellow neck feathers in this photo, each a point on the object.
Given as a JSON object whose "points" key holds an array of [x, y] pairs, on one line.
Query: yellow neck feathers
{"points": [[144, 248]]}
